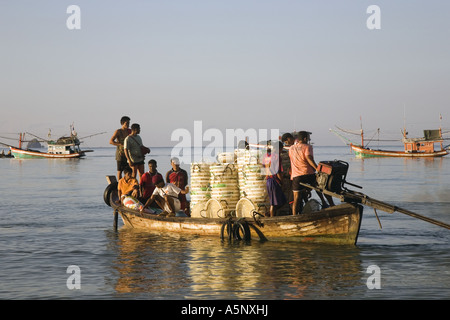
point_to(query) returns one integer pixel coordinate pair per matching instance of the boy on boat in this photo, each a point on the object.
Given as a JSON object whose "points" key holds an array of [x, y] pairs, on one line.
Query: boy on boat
{"points": [[128, 185], [166, 196]]}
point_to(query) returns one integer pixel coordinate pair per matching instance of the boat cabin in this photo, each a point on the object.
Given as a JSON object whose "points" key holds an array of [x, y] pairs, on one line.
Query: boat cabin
{"points": [[64, 145], [425, 144], [60, 149]]}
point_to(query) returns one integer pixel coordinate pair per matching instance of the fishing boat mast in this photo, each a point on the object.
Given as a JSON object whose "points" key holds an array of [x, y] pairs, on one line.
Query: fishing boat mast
{"points": [[20, 139], [362, 132]]}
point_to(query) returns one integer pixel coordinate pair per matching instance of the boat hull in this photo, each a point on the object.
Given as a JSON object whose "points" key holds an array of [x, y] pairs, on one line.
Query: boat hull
{"points": [[28, 154], [338, 225], [368, 153]]}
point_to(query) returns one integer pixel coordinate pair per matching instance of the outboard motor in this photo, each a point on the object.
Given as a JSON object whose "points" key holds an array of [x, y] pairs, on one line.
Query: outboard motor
{"points": [[331, 175]]}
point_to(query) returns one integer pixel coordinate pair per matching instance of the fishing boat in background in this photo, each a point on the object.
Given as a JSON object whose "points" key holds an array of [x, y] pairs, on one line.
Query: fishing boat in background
{"points": [[63, 148], [66, 147], [423, 147]]}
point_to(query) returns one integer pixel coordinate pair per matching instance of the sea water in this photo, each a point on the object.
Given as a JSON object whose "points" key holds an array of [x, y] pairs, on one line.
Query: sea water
{"points": [[57, 240]]}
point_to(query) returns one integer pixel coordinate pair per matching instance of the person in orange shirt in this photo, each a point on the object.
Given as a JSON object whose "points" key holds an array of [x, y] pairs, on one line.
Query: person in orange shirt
{"points": [[303, 169], [128, 186]]}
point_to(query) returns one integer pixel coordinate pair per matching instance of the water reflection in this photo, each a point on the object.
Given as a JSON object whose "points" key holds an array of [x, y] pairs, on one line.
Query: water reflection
{"points": [[169, 266]]}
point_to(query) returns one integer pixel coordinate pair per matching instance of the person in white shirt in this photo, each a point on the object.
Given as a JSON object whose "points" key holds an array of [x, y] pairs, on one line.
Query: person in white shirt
{"points": [[135, 151], [166, 196]]}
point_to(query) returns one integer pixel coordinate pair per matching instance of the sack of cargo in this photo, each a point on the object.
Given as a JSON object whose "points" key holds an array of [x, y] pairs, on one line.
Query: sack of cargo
{"points": [[135, 204]]}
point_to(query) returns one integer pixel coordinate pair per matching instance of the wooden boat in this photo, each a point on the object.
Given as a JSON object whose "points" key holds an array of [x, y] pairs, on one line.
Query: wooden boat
{"points": [[411, 151], [337, 225], [63, 148], [423, 147]]}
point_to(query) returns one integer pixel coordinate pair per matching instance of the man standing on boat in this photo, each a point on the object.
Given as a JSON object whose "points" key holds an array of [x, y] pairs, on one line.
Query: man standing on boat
{"points": [[135, 150], [117, 140], [286, 183], [303, 169]]}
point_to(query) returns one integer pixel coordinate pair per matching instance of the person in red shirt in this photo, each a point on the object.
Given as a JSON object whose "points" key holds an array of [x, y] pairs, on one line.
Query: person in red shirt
{"points": [[148, 181], [178, 177], [165, 195], [303, 168]]}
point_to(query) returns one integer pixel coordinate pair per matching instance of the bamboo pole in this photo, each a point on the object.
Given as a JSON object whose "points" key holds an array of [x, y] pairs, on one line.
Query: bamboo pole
{"points": [[352, 196]]}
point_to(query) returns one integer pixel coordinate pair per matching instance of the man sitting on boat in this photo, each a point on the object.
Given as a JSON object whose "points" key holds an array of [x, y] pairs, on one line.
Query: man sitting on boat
{"points": [[179, 178], [166, 196], [148, 181], [128, 185]]}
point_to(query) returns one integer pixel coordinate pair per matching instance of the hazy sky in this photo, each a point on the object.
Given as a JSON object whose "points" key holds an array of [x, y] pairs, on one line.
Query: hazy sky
{"points": [[262, 64]]}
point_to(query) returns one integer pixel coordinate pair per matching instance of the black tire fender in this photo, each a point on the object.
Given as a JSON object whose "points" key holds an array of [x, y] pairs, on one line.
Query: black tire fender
{"points": [[107, 193]]}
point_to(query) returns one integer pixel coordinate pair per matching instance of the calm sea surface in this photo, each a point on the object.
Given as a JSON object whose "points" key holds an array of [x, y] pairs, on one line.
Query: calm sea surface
{"points": [[52, 216]]}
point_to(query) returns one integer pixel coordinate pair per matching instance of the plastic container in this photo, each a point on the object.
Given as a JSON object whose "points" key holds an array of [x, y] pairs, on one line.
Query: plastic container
{"points": [[255, 188], [225, 187], [200, 190]]}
